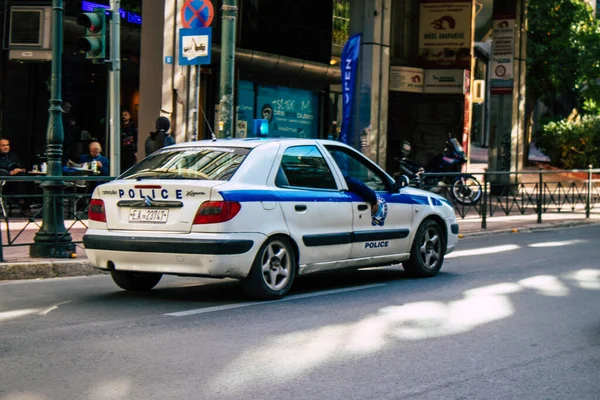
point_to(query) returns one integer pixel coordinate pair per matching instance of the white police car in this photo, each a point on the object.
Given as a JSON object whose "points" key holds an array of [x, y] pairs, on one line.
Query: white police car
{"points": [[261, 211]]}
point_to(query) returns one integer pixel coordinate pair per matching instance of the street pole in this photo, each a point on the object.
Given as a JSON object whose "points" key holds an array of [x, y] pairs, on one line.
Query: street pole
{"points": [[196, 107], [53, 240], [115, 89], [229, 15]]}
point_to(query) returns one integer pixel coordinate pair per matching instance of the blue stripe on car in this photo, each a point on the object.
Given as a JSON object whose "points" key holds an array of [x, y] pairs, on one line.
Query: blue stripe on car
{"points": [[436, 202], [245, 196]]}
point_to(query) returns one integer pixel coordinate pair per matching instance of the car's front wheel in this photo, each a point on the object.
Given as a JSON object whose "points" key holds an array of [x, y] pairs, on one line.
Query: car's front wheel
{"points": [[135, 281], [427, 252], [273, 270]]}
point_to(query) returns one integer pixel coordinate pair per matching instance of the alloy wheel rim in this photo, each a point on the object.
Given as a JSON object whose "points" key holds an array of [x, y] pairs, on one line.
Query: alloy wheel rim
{"points": [[276, 265], [431, 248]]}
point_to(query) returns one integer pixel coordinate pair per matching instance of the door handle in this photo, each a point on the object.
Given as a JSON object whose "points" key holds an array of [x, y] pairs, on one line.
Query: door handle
{"points": [[300, 207], [363, 207]]}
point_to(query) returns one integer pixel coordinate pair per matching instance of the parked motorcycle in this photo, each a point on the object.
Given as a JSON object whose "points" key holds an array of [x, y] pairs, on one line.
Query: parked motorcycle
{"points": [[465, 189]]}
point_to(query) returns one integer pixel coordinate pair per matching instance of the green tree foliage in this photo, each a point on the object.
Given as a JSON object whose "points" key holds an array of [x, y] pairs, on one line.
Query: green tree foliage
{"points": [[572, 143], [563, 52], [563, 71], [341, 21]]}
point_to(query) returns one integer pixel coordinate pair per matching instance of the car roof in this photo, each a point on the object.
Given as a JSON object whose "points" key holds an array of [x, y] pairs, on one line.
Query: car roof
{"points": [[249, 142]]}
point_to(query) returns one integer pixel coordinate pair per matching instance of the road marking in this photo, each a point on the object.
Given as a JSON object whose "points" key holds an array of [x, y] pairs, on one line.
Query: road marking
{"points": [[254, 303], [482, 251]]}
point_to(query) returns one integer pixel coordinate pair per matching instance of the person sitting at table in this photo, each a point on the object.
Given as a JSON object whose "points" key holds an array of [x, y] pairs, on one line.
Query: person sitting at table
{"points": [[102, 163], [10, 165]]}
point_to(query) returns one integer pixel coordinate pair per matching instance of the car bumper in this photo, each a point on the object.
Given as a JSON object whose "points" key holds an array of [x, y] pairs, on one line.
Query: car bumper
{"points": [[214, 255], [453, 230]]}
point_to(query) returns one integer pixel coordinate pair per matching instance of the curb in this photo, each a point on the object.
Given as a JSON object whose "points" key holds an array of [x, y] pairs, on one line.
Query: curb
{"points": [[46, 269], [528, 228]]}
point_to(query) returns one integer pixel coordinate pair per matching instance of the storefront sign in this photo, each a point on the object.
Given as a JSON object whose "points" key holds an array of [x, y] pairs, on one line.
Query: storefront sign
{"points": [[445, 33], [89, 6], [447, 81], [349, 67], [503, 53], [405, 79]]}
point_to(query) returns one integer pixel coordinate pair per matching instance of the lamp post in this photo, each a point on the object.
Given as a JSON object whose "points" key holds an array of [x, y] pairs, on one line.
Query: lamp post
{"points": [[229, 15], [53, 240]]}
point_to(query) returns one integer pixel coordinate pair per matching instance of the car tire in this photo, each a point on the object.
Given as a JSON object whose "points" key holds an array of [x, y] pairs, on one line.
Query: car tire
{"points": [[466, 190], [273, 270], [135, 281], [427, 251]]}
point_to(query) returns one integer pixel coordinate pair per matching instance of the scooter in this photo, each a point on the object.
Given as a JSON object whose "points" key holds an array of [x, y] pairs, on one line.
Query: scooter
{"points": [[465, 189]]}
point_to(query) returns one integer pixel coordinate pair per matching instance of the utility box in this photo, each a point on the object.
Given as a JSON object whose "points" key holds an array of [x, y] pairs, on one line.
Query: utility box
{"points": [[30, 34]]}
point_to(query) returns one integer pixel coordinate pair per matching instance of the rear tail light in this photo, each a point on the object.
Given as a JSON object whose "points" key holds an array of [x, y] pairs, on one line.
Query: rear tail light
{"points": [[213, 212], [96, 211]]}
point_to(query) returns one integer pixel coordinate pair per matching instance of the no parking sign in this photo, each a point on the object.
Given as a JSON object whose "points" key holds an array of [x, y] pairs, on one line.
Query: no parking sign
{"points": [[197, 14]]}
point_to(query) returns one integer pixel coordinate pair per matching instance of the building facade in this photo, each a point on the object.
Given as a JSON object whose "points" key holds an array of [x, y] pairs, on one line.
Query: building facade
{"points": [[416, 68]]}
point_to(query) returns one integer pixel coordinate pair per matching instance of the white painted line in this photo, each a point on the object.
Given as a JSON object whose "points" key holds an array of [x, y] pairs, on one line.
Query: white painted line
{"points": [[254, 303]]}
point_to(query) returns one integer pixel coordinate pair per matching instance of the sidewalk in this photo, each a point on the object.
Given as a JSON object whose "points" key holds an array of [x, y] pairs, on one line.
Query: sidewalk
{"points": [[18, 264]]}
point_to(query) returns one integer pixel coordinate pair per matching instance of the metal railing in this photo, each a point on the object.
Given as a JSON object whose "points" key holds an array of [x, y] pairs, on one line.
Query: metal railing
{"points": [[504, 194], [22, 213], [524, 193]]}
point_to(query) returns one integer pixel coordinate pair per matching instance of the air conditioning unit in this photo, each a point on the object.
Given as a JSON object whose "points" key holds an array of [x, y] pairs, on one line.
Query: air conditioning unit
{"points": [[30, 37]]}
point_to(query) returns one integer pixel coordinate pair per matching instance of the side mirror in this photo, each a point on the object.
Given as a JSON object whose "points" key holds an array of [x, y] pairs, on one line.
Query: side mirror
{"points": [[402, 181]]}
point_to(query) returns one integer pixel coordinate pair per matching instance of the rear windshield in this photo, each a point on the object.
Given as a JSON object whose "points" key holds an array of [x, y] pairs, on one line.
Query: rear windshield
{"points": [[204, 163]]}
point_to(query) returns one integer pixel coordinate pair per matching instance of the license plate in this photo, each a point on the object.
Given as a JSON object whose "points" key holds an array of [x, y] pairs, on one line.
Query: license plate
{"points": [[153, 215]]}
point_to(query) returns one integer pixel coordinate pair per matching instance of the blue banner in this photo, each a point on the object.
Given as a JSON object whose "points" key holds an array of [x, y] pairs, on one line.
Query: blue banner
{"points": [[349, 67]]}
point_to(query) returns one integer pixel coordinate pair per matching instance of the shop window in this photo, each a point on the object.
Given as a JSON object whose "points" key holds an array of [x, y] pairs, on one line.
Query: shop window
{"points": [[405, 32], [341, 24], [288, 112]]}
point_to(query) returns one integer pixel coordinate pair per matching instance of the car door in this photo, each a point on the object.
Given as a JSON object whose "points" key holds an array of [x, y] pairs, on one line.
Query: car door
{"points": [[316, 209], [387, 231]]}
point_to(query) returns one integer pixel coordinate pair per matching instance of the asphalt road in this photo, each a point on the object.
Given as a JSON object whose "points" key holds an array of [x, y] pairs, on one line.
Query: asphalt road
{"points": [[513, 316]]}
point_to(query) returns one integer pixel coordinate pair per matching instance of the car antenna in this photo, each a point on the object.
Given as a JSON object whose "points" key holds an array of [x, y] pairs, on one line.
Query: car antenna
{"points": [[212, 133]]}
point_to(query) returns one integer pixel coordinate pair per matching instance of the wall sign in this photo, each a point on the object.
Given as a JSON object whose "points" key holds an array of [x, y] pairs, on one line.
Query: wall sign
{"points": [[445, 33], [447, 81], [503, 53], [405, 79]]}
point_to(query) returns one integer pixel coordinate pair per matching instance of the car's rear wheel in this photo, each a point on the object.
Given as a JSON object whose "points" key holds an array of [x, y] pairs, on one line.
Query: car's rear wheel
{"points": [[273, 270], [427, 252], [135, 281]]}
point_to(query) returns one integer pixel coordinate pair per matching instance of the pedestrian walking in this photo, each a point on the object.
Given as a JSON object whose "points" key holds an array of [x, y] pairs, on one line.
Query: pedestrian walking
{"points": [[156, 140]]}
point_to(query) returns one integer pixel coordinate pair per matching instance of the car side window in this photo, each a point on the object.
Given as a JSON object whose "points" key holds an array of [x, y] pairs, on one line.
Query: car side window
{"points": [[304, 167], [356, 167]]}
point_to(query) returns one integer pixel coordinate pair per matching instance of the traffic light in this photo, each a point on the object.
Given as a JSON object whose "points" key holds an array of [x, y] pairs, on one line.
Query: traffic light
{"points": [[93, 44]]}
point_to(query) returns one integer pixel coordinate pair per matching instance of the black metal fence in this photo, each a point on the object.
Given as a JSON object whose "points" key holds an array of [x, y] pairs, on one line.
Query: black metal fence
{"points": [[523, 193], [22, 201], [504, 194]]}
